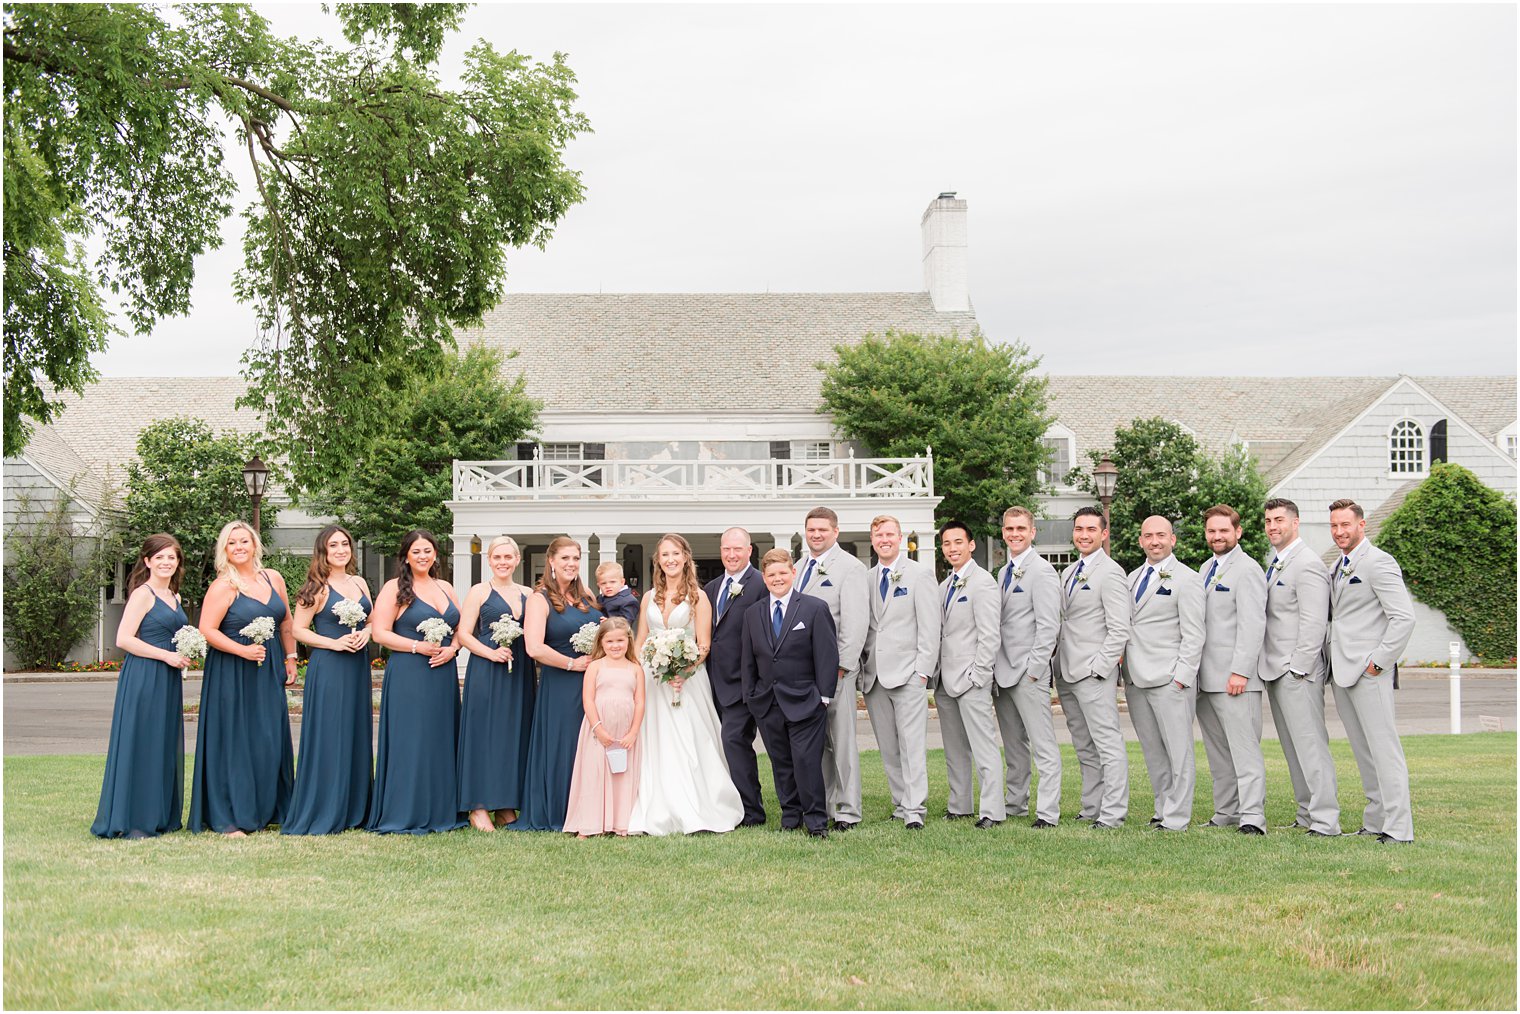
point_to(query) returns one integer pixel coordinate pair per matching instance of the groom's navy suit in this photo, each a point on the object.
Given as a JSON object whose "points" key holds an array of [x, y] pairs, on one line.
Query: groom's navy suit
{"points": [[723, 663], [785, 678]]}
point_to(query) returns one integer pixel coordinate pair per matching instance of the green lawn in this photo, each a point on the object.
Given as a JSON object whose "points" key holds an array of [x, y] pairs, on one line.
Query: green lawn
{"points": [[950, 917]]}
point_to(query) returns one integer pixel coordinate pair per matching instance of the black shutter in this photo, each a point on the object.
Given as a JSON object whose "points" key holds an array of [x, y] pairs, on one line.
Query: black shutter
{"points": [[1438, 443]]}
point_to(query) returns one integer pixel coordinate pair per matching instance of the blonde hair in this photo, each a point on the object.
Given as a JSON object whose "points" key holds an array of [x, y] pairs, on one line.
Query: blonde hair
{"points": [[610, 567], [503, 540], [224, 567], [607, 626], [688, 573], [774, 556], [882, 519]]}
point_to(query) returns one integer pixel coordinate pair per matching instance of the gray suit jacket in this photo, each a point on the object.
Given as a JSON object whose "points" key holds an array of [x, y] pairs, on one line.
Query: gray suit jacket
{"points": [[903, 636], [969, 635], [1031, 621], [1298, 610], [1166, 626], [1094, 618], [841, 580], [1234, 621], [1371, 614]]}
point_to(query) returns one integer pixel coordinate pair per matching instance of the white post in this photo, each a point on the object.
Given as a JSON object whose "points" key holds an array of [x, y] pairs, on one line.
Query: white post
{"points": [[463, 557], [609, 547], [1456, 688], [783, 540], [584, 538]]}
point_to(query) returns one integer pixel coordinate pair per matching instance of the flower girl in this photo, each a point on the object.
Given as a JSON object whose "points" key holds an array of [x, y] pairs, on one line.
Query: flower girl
{"points": [[606, 757]]}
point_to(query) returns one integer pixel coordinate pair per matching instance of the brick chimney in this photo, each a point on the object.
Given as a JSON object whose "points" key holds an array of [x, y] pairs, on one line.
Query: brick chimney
{"points": [[945, 270]]}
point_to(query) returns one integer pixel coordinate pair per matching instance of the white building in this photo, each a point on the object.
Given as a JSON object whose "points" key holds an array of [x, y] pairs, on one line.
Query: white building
{"points": [[694, 412]]}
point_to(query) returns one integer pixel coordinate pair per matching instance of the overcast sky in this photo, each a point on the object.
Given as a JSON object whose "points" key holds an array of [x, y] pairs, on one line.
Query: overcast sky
{"points": [[1282, 189]]}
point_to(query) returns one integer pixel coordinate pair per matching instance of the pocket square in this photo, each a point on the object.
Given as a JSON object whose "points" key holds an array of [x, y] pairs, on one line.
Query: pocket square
{"points": [[800, 626], [961, 599], [1220, 587], [1281, 585], [899, 591], [1355, 580], [827, 583], [1015, 588], [1163, 591]]}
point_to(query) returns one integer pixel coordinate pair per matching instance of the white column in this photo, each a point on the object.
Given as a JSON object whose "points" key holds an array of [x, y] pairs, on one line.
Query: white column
{"points": [[462, 560], [609, 547], [584, 538], [783, 540]]}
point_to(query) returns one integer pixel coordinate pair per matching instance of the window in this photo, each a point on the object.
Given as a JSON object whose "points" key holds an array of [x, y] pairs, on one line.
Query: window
{"points": [[812, 450], [1509, 444], [562, 452], [1062, 444], [1406, 448], [1438, 443]]}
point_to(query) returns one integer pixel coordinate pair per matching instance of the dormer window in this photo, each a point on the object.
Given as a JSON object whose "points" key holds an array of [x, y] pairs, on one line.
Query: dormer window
{"points": [[1406, 448], [1062, 443]]}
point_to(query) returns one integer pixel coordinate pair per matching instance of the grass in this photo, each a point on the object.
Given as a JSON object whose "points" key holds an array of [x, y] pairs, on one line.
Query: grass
{"points": [[947, 918]]}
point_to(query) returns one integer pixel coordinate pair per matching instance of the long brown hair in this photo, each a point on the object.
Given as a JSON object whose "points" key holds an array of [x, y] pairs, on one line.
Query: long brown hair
{"points": [[319, 570], [607, 626], [688, 573], [404, 593], [577, 594], [151, 547]]}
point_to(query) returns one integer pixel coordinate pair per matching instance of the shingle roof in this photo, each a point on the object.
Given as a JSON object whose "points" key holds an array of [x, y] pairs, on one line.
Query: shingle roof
{"points": [[1487, 404], [50, 452], [694, 351]]}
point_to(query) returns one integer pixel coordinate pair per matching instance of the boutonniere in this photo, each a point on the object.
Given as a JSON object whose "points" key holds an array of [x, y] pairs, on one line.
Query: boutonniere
{"points": [[1018, 573], [894, 577], [822, 570], [1348, 570], [1082, 580], [958, 583], [736, 591], [1163, 575]]}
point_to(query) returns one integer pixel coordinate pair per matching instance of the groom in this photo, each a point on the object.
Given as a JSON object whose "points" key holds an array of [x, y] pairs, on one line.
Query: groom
{"points": [[789, 671]]}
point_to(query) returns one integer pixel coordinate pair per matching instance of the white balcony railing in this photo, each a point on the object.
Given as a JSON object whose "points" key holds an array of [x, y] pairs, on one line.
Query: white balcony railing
{"points": [[763, 479]]}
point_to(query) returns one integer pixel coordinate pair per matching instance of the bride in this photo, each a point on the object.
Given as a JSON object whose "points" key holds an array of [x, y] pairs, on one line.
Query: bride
{"points": [[684, 785]]}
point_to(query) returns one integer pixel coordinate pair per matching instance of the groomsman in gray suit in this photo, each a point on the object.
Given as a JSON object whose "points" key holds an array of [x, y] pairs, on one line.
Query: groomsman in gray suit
{"points": [[1371, 620], [1293, 667], [1229, 702], [902, 651], [969, 603], [1031, 622], [827, 572], [1161, 670], [1095, 610]]}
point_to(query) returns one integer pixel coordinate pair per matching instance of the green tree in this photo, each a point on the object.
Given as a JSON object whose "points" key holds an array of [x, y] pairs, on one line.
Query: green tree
{"points": [[1454, 537], [52, 584], [188, 482], [386, 202], [1163, 470], [404, 474], [978, 404]]}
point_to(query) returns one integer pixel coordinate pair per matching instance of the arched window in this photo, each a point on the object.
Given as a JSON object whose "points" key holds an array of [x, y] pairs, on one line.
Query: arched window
{"points": [[1406, 448]]}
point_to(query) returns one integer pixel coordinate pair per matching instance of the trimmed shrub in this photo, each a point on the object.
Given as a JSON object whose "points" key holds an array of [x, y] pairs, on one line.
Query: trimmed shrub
{"points": [[52, 585]]}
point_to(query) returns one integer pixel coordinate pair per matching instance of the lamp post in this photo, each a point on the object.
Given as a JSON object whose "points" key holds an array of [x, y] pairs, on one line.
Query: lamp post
{"points": [[255, 477], [1105, 479]]}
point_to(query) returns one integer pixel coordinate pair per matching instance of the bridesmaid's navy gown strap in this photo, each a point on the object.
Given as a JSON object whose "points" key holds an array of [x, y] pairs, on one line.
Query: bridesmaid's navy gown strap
{"points": [[143, 792], [333, 775], [243, 756], [557, 716], [497, 717], [416, 770]]}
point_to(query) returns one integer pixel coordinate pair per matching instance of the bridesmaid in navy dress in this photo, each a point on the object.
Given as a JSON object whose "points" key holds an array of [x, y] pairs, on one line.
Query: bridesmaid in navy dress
{"points": [[562, 605], [416, 779], [498, 695], [333, 776], [242, 744], [144, 788]]}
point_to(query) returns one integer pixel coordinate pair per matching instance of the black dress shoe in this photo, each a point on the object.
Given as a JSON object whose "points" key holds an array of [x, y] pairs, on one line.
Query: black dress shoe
{"points": [[1387, 839], [1155, 822], [1042, 824], [817, 834], [986, 822], [752, 822], [957, 816], [1366, 833], [1098, 825], [1311, 833], [1251, 829], [914, 825], [844, 825]]}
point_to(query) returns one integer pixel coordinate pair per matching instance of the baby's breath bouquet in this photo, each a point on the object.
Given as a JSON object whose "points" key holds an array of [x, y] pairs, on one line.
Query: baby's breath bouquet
{"points": [[504, 631], [668, 655], [349, 613], [434, 630], [584, 639], [260, 630], [190, 642]]}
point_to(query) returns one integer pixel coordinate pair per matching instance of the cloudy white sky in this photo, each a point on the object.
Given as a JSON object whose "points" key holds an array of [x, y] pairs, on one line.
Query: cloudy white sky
{"points": [[1280, 189]]}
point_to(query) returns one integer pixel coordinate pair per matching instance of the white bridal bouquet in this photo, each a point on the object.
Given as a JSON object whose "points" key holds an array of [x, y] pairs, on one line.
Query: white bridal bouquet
{"points": [[668, 654], [349, 613], [584, 639], [504, 631], [260, 630], [434, 630], [190, 642]]}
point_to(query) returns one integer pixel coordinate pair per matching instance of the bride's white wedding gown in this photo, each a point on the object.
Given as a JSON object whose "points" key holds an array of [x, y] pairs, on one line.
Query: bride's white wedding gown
{"points": [[684, 786]]}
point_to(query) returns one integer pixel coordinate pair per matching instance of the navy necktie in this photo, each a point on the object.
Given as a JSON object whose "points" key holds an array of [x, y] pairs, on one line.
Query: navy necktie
{"points": [[723, 596], [776, 622], [1272, 570], [806, 574], [949, 593], [1008, 576], [1212, 568], [1145, 579], [1345, 566], [884, 574], [1075, 574]]}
